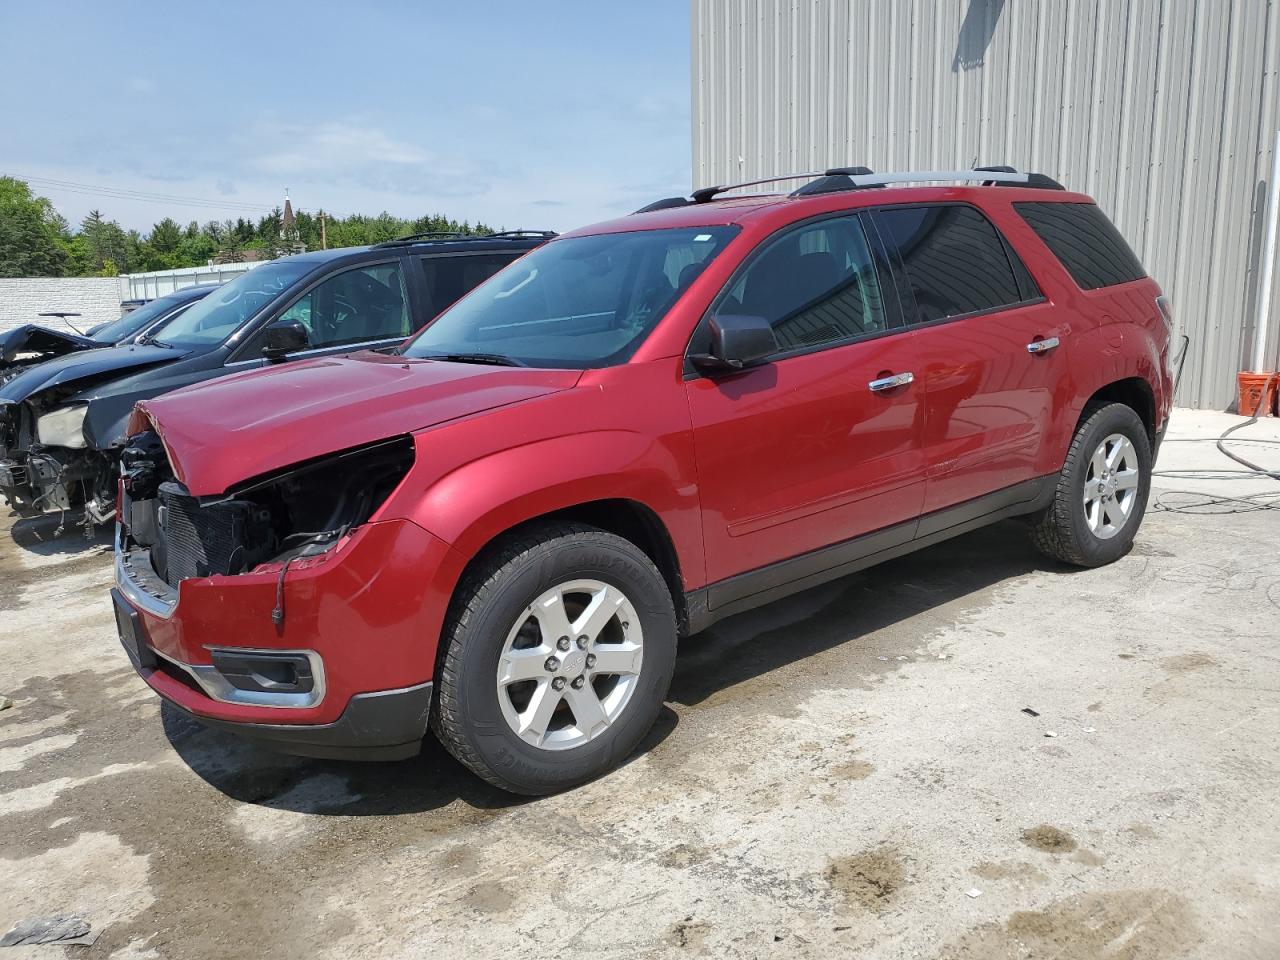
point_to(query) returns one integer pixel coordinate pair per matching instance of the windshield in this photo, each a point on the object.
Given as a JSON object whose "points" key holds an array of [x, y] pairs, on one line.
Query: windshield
{"points": [[577, 303], [211, 320], [132, 322]]}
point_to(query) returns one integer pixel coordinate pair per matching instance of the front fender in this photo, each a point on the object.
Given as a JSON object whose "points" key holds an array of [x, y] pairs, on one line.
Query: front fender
{"points": [[478, 501]]}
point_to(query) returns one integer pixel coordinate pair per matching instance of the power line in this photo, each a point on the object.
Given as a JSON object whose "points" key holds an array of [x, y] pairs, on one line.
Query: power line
{"points": [[127, 193], [122, 193]]}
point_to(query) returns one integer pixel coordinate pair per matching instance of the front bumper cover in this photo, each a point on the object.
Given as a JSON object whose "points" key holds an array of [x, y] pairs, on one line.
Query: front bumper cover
{"points": [[387, 725]]}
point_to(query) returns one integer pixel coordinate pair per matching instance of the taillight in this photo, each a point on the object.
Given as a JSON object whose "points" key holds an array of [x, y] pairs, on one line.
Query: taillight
{"points": [[1166, 312]]}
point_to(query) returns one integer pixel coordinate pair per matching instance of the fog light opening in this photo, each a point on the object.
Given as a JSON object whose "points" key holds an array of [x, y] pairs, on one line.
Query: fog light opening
{"points": [[262, 672]]}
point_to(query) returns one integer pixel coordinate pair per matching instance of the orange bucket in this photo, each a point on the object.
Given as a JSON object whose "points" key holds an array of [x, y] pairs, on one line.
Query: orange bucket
{"points": [[1251, 386]]}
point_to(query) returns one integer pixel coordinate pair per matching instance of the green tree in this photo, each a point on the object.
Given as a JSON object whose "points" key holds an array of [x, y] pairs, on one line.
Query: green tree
{"points": [[36, 241], [195, 249], [165, 236], [33, 241], [104, 240]]}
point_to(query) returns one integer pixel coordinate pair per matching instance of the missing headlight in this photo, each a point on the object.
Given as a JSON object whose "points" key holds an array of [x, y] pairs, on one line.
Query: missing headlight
{"points": [[313, 504], [299, 511]]}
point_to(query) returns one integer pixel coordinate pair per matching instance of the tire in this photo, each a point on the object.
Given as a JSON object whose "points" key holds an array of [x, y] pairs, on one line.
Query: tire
{"points": [[539, 745], [1070, 529]]}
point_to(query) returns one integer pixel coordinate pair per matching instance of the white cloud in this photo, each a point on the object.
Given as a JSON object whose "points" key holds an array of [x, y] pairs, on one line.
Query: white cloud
{"points": [[333, 146]]}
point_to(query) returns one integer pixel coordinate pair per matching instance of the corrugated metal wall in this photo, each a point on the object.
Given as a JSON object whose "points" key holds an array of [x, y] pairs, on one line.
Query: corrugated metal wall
{"points": [[1164, 110]]}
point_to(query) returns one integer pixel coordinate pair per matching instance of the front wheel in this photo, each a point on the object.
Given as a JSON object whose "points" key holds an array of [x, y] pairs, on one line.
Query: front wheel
{"points": [[1102, 490], [558, 654]]}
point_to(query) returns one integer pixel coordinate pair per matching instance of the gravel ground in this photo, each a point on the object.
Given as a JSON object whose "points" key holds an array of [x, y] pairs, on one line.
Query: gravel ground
{"points": [[850, 772]]}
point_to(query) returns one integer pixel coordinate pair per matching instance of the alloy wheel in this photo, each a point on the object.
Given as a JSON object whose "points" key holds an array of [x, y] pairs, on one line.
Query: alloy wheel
{"points": [[570, 664], [1111, 486]]}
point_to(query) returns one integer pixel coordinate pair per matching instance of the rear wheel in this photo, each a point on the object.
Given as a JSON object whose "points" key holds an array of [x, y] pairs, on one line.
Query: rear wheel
{"points": [[558, 654], [1102, 490]]}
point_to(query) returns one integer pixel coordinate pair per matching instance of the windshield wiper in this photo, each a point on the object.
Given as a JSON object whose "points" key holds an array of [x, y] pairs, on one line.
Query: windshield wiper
{"points": [[496, 359]]}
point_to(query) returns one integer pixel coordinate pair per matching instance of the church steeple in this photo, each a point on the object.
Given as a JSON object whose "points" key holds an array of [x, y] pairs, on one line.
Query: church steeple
{"points": [[287, 222]]}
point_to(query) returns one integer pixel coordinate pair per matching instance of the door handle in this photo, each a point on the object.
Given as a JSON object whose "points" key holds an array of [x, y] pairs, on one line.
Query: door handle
{"points": [[888, 383], [1042, 346]]}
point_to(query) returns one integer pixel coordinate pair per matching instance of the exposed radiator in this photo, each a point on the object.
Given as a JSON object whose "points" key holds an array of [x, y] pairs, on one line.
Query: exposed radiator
{"points": [[196, 541]]}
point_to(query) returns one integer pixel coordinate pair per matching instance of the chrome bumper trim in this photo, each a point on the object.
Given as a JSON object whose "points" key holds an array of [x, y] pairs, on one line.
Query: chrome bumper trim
{"points": [[216, 687], [133, 573]]}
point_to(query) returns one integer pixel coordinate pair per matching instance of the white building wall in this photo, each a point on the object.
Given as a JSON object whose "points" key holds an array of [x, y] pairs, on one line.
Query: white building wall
{"points": [[1164, 110], [96, 299]]}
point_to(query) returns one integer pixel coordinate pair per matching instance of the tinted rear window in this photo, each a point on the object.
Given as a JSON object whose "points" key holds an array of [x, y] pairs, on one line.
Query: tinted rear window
{"points": [[1087, 243], [956, 262], [449, 277]]}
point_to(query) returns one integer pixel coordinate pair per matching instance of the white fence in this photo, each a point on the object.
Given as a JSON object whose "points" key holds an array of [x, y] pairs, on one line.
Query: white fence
{"points": [[148, 286]]}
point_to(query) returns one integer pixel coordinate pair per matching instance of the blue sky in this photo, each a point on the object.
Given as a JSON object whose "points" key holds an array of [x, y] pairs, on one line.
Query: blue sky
{"points": [[544, 113]]}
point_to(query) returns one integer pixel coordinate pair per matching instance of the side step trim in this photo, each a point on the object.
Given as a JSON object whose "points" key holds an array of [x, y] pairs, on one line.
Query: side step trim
{"points": [[745, 591]]}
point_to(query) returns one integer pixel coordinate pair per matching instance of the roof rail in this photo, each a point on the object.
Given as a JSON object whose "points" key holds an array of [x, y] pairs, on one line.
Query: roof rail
{"points": [[449, 236], [705, 194], [833, 181], [857, 178], [987, 176], [516, 234]]}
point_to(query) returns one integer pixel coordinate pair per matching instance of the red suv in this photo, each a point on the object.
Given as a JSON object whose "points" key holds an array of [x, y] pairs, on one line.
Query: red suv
{"points": [[499, 532]]}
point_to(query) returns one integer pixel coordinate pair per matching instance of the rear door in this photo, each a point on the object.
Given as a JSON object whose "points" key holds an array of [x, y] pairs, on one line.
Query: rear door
{"points": [[814, 447], [991, 349]]}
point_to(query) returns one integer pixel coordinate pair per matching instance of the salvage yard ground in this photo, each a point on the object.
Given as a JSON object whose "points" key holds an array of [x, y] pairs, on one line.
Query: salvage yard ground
{"points": [[850, 772]]}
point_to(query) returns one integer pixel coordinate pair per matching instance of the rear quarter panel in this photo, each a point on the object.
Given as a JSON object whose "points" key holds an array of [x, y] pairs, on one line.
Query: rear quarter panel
{"points": [[1116, 333]]}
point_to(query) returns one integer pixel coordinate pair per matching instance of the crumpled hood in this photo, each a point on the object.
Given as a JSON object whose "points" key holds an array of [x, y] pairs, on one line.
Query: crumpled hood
{"points": [[84, 367], [228, 430], [48, 343]]}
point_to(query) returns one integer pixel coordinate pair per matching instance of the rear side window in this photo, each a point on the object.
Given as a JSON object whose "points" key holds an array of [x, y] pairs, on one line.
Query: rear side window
{"points": [[448, 278], [1087, 243], [956, 261]]}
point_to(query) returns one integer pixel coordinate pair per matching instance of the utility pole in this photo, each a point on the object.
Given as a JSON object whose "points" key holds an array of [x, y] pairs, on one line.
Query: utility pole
{"points": [[324, 242]]}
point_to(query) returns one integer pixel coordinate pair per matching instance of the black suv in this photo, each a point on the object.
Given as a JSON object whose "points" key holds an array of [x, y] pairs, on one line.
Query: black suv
{"points": [[62, 423]]}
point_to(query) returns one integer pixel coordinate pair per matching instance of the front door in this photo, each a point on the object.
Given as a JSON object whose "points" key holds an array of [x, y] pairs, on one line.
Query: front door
{"points": [[364, 307], [818, 445]]}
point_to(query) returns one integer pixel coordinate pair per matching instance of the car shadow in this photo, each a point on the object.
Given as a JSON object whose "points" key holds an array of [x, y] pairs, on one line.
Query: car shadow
{"points": [[853, 610], [428, 782], [846, 612], [58, 534]]}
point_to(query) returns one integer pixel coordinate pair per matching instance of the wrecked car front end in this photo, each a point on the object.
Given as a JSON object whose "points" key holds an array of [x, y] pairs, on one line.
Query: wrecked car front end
{"points": [[280, 573], [31, 344], [46, 463], [60, 434]]}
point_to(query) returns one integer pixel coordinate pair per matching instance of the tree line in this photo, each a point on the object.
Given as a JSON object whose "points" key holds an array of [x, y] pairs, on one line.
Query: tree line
{"points": [[37, 241]]}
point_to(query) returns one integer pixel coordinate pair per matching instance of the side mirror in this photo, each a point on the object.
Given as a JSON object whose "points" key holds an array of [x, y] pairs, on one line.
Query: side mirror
{"points": [[737, 342], [283, 338]]}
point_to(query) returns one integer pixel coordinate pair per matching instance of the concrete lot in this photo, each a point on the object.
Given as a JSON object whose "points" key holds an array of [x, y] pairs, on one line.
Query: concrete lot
{"points": [[847, 773]]}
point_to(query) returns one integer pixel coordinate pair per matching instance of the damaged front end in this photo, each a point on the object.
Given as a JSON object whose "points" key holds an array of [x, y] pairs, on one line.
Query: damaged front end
{"points": [[30, 344], [47, 465], [165, 535]]}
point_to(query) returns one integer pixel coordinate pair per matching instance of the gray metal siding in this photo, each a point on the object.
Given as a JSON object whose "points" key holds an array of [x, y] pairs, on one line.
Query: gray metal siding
{"points": [[1165, 111]]}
